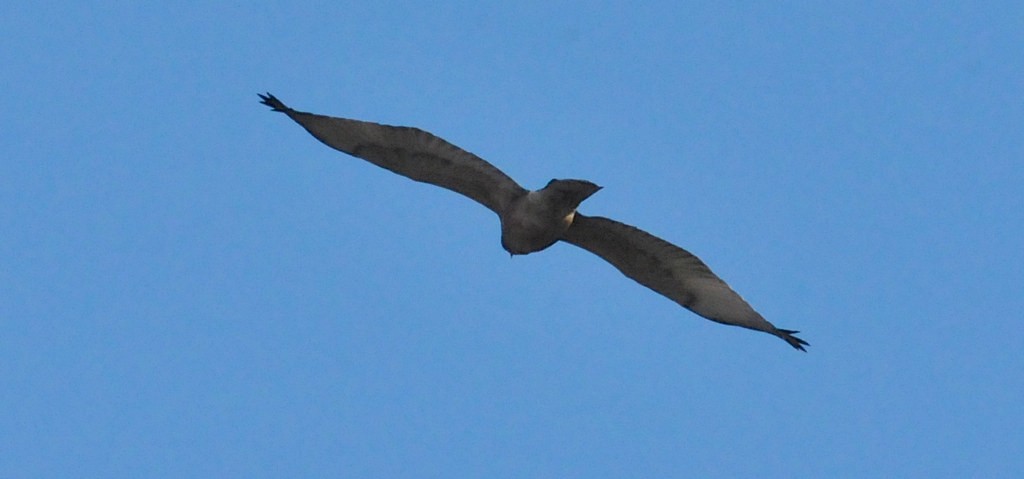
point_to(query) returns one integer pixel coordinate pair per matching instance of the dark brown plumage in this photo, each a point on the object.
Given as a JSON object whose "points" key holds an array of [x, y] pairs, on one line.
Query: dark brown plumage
{"points": [[534, 220]]}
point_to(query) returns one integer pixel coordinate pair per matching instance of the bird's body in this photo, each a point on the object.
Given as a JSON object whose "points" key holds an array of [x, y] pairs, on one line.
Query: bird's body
{"points": [[532, 221], [538, 219]]}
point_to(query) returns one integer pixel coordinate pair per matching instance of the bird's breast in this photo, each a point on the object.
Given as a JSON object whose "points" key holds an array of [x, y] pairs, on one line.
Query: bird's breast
{"points": [[526, 228]]}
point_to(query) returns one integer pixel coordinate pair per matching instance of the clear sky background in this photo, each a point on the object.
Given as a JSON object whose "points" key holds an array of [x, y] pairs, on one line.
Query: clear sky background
{"points": [[192, 286]]}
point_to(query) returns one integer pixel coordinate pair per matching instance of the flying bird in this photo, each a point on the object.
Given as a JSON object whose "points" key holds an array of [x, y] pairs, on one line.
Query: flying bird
{"points": [[534, 220]]}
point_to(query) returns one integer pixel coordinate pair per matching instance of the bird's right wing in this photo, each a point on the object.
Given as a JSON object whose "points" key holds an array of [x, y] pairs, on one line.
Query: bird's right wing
{"points": [[670, 271], [412, 153]]}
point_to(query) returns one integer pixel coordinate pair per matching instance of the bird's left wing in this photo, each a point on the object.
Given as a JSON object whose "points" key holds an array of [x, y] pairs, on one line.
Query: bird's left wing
{"points": [[412, 153], [670, 271]]}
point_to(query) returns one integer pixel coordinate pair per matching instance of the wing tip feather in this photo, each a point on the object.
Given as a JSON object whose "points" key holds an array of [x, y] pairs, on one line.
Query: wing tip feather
{"points": [[788, 336], [272, 101]]}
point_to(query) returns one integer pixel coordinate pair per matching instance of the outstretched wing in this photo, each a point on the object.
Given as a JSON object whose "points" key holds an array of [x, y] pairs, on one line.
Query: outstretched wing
{"points": [[670, 271], [412, 153]]}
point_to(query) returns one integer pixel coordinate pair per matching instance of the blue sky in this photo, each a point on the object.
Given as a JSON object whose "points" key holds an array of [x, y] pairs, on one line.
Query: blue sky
{"points": [[191, 286]]}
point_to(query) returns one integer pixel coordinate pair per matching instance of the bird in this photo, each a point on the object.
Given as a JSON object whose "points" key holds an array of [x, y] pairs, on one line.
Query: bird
{"points": [[532, 221]]}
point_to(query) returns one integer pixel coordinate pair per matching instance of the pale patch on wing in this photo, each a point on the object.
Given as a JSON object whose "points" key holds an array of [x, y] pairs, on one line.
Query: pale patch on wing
{"points": [[412, 153], [670, 271]]}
